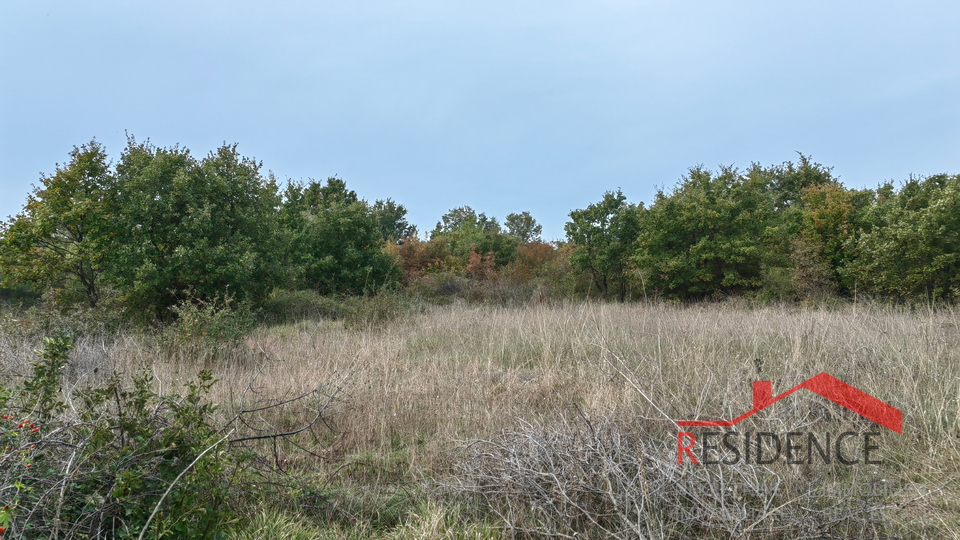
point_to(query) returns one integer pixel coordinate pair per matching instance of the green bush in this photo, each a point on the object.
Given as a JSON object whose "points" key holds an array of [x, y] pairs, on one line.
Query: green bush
{"points": [[912, 251], [355, 311], [125, 460], [220, 319], [711, 236]]}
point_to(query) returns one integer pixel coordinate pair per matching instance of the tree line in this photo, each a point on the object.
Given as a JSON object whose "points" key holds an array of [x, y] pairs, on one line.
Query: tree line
{"points": [[162, 227]]}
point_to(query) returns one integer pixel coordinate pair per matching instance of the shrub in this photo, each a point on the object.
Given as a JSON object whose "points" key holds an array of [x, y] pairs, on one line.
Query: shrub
{"points": [[417, 257], [51, 317], [219, 319], [126, 460]]}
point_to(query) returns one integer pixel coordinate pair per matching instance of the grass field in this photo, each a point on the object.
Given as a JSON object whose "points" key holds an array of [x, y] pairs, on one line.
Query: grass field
{"points": [[469, 421]]}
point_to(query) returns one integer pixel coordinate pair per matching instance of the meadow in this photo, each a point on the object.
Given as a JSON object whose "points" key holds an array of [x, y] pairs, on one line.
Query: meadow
{"points": [[558, 420]]}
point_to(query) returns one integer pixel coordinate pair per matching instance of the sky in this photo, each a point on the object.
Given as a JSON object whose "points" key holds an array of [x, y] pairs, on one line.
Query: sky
{"points": [[505, 106]]}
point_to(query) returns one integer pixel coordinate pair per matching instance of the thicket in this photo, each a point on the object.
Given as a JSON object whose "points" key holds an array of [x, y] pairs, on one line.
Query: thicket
{"points": [[162, 228], [162, 233]]}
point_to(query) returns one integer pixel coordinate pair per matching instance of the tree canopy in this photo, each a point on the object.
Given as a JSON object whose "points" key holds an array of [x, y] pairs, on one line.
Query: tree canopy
{"points": [[337, 239], [57, 241], [161, 227], [605, 233]]}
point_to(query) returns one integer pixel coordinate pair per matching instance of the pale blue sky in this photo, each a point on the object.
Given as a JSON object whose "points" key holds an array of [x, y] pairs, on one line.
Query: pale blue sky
{"points": [[503, 106]]}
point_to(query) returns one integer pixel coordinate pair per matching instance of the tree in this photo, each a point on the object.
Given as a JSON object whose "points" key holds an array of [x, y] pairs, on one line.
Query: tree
{"points": [[465, 218], [533, 259], [314, 196], [788, 181], [524, 227], [417, 257], [830, 222], [911, 248], [184, 228], [337, 239], [465, 231], [392, 220], [604, 234], [713, 234], [57, 241]]}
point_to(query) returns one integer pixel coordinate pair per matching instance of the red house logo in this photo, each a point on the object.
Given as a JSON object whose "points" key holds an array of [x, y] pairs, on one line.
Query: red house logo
{"points": [[824, 385]]}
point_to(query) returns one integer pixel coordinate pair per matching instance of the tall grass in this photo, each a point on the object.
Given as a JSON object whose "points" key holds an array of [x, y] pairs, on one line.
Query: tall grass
{"points": [[430, 384]]}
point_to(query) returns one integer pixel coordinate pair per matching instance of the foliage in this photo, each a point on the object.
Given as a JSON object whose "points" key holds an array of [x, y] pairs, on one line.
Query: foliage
{"points": [[533, 258], [292, 306], [464, 217], [56, 242], [911, 248], [524, 227], [788, 181], [301, 200], [831, 219], [480, 267], [17, 293], [417, 257], [464, 231], [364, 312], [128, 452], [163, 236], [186, 228], [218, 319], [48, 316], [713, 234], [604, 234], [812, 276], [336, 239], [392, 220]]}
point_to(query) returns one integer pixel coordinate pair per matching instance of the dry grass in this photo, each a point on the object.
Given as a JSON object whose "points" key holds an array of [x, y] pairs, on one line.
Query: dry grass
{"points": [[425, 383]]}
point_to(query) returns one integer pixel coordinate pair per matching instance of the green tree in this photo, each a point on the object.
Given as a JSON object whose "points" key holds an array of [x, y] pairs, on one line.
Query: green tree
{"points": [[911, 246], [465, 218], [465, 231], [605, 233], [524, 227], [830, 221], [392, 220], [184, 228], [314, 196], [788, 181], [713, 234], [337, 239], [56, 242]]}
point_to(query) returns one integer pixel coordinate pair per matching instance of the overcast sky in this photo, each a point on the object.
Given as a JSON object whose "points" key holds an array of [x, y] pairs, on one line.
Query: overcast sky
{"points": [[504, 106]]}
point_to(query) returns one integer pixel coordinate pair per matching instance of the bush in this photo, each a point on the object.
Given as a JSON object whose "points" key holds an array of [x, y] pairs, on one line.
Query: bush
{"points": [[220, 319], [284, 306], [439, 287], [125, 460], [50, 317], [355, 311]]}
